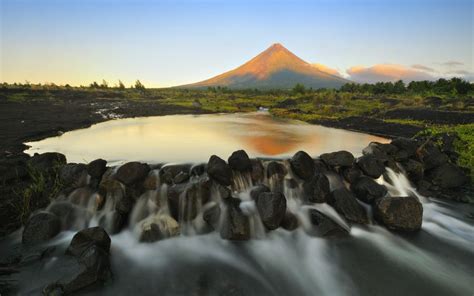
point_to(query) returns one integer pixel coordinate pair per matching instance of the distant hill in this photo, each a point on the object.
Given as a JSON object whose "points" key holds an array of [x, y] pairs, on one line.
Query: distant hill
{"points": [[275, 68]]}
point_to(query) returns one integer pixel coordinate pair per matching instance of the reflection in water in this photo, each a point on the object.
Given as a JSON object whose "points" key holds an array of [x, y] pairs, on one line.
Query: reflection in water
{"points": [[193, 138]]}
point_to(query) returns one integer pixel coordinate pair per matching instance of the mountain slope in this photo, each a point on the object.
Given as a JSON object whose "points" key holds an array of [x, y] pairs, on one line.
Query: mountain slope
{"points": [[275, 68]]}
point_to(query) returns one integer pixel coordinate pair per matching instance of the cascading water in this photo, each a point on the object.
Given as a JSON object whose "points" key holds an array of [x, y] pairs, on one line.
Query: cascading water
{"points": [[370, 261]]}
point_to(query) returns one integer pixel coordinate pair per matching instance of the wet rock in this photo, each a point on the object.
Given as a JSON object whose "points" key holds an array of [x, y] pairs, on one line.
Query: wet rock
{"points": [[407, 145], [112, 221], [380, 151], [351, 174], [40, 228], [337, 159], [272, 208], [257, 190], [367, 190], [257, 171], [132, 172], [317, 189], [71, 216], [223, 192], [235, 224], [370, 166], [399, 213], [212, 215], [414, 170], [219, 171], [181, 178], [302, 165], [84, 239], [321, 167], [152, 181], [173, 197], [195, 195], [447, 176], [158, 227], [47, 162], [198, 170], [97, 168], [346, 204], [431, 156], [290, 222], [81, 196], [240, 161], [168, 173], [275, 168], [324, 226]]}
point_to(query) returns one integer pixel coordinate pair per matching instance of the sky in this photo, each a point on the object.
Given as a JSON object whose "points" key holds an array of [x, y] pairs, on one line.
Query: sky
{"points": [[172, 42]]}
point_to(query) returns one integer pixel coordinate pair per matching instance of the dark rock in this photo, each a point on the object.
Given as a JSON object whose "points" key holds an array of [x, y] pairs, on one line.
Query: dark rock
{"points": [[40, 228], [132, 172], [431, 156], [73, 175], [447, 176], [168, 173], [276, 168], [321, 167], [367, 190], [112, 221], [71, 216], [290, 221], [240, 161], [219, 170], [351, 174], [173, 197], [223, 191], [399, 213], [407, 145], [47, 162], [235, 225], [414, 170], [158, 227], [317, 189], [337, 159], [84, 239], [212, 215], [97, 168], [291, 183], [380, 151], [345, 203], [257, 171], [152, 181], [195, 195], [302, 165], [324, 226], [371, 166], [272, 208], [198, 170], [257, 190], [181, 178]]}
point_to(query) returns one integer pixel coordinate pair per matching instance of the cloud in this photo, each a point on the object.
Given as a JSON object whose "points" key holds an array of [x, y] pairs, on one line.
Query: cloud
{"points": [[459, 72], [452, 64], [423, 68], [326, 69], [385, 73]]}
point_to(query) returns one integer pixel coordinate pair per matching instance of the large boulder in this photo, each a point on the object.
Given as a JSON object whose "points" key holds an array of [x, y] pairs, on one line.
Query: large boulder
{"points": [[158, 227], [371, 166], [380, 151], [431, 156], [338, 159], [40, 228], [271, 207], [324, 226], [240, 161], [257, 190], [277, 169], [409, 146], [219, 170], [235, 224], [47, 162], [351, 174], [290, 221], [258, 172], [211, 215], [132, 172], [447, 176], [302, 165], [97, 168], [367, 190], [317, 188], [345, 203], [73, 175], [174, 173], [399, 212], [414, 170], [84, 239]]}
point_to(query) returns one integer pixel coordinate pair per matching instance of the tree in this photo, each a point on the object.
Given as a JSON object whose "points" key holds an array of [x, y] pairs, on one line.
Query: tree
{"points": [[399, 87], [94, 85], [299, 89], [104, 84], [139, 85], [121, 85]]}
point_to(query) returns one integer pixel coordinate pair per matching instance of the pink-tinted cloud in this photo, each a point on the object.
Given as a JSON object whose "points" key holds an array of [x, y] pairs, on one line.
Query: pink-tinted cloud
{"points": [[423, 68], [385, 73], [326, 69]]}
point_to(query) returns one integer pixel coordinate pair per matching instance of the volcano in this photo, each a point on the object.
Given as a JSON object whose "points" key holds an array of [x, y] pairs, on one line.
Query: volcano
{"points": [[274, 68]]}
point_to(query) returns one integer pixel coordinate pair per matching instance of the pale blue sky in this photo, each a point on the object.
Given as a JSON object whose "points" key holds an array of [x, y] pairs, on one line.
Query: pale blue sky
{"points": [[167, 43]]}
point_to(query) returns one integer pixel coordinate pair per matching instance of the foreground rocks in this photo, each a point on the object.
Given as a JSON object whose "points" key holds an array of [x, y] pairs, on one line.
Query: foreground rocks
{"points": [[399, 212]]}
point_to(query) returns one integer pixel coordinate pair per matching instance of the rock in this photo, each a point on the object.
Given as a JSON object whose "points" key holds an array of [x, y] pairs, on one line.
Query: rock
{"points": [[47, 162], [324, 226], [370, 166], [97, 168], [212, 215], [219, 171], [182, 177], [40, 228], [132, 172], [240, 161], [302, 165], [84, 239], [195, 195], [447, 176], [173, 197], [399, 213], [168, 173], [345, 203], [272, 208], [158, 227], [257, 171], [152, 181], [338, 159], [112, 221], [321, 167], [257, 190], [351, 174], [367, 190], [275, 168], [198, 169], [380, 151], [71, 216], [414, 170], [407, 145], [317, 189], [290, 221], [235, 224], [432, 157]]}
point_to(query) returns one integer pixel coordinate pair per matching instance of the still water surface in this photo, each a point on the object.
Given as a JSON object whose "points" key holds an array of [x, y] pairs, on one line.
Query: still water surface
{"points": [[193, 138]]}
